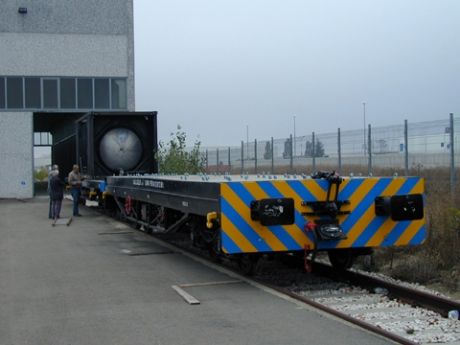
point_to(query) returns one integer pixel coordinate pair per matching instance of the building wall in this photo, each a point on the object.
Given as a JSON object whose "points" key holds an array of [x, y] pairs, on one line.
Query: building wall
{"points": [[33, 54], [74, 38], [16, 152], [68, 38]]}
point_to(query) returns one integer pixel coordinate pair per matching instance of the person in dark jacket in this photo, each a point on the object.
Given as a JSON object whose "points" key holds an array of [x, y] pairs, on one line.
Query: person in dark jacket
{"points": [[56, 193], [55, 167]]}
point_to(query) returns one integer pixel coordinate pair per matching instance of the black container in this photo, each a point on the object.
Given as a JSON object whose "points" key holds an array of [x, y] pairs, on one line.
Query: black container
{"points": [[120, 142]]}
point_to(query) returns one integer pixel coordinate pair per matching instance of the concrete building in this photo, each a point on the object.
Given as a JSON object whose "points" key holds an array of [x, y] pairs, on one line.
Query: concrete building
{"points": [[58, 60]]}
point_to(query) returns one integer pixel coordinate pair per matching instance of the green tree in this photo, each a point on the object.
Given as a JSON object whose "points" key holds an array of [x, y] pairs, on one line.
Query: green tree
{"points": [[287, 148], [268, 150], [41, 174], [319, 149], [174, 158]]}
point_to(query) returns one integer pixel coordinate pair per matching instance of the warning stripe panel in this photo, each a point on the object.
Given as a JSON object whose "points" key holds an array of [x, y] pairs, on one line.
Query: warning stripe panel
{"points": [[263, 234], [247, 193], [361, 214], [240, 234], [294, 231], [382, 236], [377, 222]]}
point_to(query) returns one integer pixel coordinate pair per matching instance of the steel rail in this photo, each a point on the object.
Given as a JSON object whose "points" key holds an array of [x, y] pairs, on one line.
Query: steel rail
{"points": [[410, 295], [370, 327], [407, 294], [362, 324]]}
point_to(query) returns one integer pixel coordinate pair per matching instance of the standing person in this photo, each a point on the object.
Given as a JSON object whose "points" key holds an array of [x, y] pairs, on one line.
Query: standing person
{"points": [[55, 167], [56, 193], [75, 188]]}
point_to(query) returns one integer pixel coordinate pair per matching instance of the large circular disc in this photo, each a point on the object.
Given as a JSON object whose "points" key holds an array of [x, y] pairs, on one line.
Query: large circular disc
{"points": [[120, 148]]}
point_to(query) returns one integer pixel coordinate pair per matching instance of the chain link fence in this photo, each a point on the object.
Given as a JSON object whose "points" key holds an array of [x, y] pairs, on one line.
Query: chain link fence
{"points": [[404, 147]]}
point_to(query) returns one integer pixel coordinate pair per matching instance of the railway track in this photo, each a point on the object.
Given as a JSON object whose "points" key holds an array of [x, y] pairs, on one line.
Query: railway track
{"points": [[398, 312]]}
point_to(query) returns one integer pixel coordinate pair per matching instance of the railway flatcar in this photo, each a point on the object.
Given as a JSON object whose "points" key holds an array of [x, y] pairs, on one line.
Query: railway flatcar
{"points": [[248, 216], [245, 217]]}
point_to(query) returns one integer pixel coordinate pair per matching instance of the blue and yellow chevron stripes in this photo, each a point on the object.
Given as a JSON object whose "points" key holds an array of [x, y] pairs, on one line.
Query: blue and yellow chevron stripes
{"points": [[240, 234]]}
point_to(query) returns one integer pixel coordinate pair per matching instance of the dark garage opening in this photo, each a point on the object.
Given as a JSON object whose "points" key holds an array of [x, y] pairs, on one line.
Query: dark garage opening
{"points": [[61, 126]]}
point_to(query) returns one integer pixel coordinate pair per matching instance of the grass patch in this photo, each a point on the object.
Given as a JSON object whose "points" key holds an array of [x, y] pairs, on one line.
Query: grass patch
{"points": [[437, 260]]}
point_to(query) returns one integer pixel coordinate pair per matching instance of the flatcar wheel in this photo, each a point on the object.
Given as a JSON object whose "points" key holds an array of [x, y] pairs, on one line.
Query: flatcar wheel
{"points": [[118, 215], [341, 259], [214, 254], [248, 263]]}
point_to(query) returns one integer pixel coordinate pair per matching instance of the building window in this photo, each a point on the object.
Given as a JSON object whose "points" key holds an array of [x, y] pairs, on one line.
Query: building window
{"points": [[101, 94], [65, 93], [33, 93], [119, 94], [14, 93], [2, 93], [50, 93], [68, 93], [43, 139], [85, 93]]}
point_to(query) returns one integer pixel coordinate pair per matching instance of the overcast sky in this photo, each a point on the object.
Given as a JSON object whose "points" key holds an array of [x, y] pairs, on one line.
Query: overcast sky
{"points": [[215, 67]]}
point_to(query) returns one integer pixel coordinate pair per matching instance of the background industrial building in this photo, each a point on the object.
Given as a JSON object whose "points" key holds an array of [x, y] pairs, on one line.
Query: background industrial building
{"points": [[58, 60]]}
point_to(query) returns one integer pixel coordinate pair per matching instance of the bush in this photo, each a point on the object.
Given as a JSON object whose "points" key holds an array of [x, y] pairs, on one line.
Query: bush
{"points": [[174, 158], [41, 174]]}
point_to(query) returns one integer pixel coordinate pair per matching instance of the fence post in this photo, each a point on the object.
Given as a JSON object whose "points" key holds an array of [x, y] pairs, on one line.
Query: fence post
{"points": [[217, 159], [229, 161], [255, 156], [207, 164], [369, 150], [406, 149], [339, 151], [452, 152], [313, 154], [242, 157], [291, 160], [273, 157]]}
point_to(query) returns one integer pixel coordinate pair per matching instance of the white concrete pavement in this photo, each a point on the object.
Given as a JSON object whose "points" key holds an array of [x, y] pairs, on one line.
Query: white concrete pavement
{"points": [[82, 285]]}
